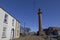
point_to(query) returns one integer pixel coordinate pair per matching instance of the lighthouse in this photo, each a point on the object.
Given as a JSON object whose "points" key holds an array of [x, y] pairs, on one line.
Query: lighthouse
{"points": [[40, 21]]}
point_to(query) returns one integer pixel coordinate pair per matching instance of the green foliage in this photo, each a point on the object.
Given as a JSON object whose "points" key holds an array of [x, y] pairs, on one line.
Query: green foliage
{"points": [[58, 38]]}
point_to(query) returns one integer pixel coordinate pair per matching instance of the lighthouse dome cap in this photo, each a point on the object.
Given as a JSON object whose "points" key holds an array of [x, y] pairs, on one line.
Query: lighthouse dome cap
{"points": [[39, 10]]}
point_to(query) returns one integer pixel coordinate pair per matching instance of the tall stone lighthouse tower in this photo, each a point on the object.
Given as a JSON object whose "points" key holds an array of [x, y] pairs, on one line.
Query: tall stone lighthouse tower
{"points": [[40, 21]]}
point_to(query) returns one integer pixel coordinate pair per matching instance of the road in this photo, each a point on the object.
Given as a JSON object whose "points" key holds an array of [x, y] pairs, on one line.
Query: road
{"points": [[30, 38]]}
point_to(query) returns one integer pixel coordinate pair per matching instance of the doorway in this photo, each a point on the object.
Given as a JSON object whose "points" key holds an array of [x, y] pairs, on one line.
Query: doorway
{"points": [[12, 34]]}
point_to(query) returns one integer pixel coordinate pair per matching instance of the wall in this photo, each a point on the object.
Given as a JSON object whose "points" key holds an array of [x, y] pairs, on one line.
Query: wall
{"points": [[1, 22], [8, 26], [17, 30]]}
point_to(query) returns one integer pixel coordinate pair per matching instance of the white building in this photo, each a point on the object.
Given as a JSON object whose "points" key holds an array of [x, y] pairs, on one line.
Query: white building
{"points": [[9, 26]]}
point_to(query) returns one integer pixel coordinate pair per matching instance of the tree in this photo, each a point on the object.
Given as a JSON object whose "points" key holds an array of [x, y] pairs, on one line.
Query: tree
{"points": [[24, 30]]}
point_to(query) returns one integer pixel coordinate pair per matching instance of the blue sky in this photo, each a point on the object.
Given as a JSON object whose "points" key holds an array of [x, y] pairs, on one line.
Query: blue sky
{"points": [[26, 11]]}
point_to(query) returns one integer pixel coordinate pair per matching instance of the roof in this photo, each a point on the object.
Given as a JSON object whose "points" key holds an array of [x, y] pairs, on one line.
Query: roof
{"points": [[55, 28]]}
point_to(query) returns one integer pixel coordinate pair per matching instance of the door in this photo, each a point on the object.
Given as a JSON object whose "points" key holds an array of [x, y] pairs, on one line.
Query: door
{"points": [[12, 34]]}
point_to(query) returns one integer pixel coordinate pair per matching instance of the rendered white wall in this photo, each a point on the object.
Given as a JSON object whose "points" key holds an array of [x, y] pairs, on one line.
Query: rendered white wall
{"points": [[1, 22], [8, 26]]}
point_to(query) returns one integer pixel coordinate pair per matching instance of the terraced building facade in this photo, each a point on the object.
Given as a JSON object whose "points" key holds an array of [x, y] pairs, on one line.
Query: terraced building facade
{"points": [[9, 26]]}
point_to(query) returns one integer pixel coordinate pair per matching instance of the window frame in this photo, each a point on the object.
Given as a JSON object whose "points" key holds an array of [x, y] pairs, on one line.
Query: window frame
{"points": [[4, 32], [12, 22], [6, 19]]}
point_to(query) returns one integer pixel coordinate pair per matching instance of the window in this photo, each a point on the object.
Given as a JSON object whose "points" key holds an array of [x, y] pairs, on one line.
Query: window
{"points": [[13, 22], [4, 32], [5, 18]]}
